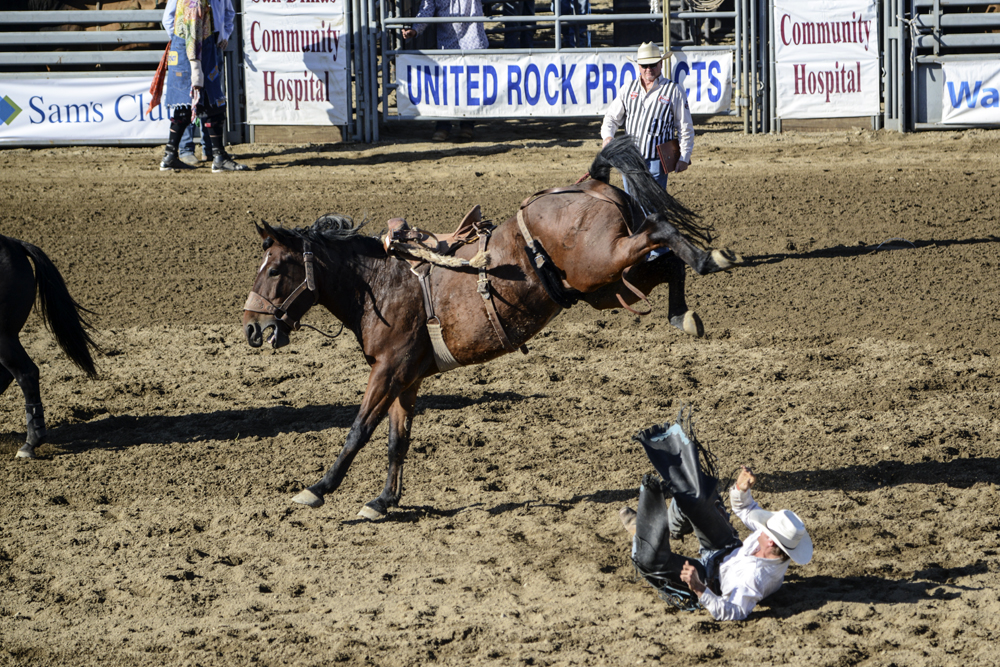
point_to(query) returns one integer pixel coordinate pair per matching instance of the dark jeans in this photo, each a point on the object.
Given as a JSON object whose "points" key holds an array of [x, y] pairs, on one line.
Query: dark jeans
{"points": [[519, 35]]}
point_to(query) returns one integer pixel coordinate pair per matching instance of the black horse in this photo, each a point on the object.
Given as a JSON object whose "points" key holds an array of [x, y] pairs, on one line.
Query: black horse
{"points": [[61, 314]]}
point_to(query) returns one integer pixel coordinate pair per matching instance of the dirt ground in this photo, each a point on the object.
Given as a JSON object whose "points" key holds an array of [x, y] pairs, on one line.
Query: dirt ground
{"points": [[852, 362]]}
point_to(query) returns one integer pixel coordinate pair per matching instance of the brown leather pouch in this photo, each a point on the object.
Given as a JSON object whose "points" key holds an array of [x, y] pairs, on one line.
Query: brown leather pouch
{"points": [[669, 153]]}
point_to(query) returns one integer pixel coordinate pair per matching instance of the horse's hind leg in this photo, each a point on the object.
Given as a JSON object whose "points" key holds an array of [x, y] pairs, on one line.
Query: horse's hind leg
{"points": [[17, 365], [400, 421], [677, 310], [662, 233]]}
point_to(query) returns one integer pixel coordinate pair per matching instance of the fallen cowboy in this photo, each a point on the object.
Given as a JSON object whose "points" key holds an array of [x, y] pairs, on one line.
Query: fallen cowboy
{"points": [[729, 576]]}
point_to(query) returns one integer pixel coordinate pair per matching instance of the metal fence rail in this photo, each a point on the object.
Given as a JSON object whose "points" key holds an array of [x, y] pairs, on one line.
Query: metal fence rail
{"points": [[942, 31], [392, 19], [49, 52]]}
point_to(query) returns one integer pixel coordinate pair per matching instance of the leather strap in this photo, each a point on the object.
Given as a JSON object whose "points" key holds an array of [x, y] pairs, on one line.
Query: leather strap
{"points": [[442, 355], [257, 303], [483, 287]]}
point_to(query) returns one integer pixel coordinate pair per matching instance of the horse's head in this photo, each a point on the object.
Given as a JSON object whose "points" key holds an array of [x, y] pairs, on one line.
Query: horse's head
{"points": [[284, 289]]}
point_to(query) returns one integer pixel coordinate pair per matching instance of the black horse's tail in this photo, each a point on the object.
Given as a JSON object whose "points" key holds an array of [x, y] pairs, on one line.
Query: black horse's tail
{"points": [[60, 312], [622, 154]]}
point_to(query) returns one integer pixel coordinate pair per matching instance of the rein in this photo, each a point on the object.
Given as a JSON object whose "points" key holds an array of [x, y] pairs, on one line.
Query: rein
{"points": [[297, 303]]}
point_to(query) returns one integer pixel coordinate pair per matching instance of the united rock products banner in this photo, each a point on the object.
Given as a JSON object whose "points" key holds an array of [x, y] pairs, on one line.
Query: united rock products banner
{"points": [[545, 85], [295, 62], [971, 92], [826, 58], [74, 110]]}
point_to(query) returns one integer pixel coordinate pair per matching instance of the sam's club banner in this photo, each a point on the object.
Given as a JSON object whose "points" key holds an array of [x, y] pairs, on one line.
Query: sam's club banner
{"points": [[73, 110], [826, 58], [295, 62], [971, 92], [546, 85]]}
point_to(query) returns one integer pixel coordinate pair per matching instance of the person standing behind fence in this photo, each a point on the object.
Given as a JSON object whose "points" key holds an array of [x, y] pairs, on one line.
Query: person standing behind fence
{"points": [[464, 36], [519, 35], [654, 111], [574, 35], [200, 31]]}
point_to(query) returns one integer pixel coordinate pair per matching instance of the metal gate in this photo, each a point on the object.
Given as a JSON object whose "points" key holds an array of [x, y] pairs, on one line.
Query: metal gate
{"points": [[689, 31], [921, 36], [33, 44]]}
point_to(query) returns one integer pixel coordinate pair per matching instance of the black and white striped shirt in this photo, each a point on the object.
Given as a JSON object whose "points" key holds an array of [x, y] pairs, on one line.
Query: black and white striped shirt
{"points": [[652, 117]]}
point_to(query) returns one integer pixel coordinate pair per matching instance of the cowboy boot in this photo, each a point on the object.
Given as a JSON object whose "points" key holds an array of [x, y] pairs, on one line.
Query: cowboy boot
{"points": [[651, 545]]}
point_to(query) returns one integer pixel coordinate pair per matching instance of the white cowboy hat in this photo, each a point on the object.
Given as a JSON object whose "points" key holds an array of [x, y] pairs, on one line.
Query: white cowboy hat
{"points": [[649, 54], [789, 533]]}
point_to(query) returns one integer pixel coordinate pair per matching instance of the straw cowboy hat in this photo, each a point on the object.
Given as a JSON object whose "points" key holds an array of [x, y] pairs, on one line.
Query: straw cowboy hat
{"points": [[788, 531], [649, 54]]}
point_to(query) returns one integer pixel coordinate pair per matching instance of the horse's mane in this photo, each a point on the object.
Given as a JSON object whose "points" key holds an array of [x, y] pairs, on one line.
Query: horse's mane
{"points": [[622, 155], [328, 228]]}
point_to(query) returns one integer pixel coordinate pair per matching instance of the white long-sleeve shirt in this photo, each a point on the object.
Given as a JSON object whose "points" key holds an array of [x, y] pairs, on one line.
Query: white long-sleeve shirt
{"points": [[652, 117], [745, 578]]}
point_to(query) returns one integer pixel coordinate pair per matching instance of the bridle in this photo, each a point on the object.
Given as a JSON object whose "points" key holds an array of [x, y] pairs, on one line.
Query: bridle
{"points": [[297, 303]]}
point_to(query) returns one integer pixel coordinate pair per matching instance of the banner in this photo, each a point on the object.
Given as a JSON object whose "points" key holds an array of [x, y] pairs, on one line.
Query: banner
{"points": [[495, 84], [72, 110], [295, 62], [971, 92], [826, 56]]}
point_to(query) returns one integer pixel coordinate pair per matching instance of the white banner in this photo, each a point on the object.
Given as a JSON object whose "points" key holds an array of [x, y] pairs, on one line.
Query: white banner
{"points": [[826, 58], [495, 84], [971, 92], [295, 62], [70, 110]]}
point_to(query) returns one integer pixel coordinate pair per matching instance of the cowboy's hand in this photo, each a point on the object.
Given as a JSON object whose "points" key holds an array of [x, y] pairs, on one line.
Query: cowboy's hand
{"points": [[746, 479], [681, 166], [689, 576], [607, 140], [223, 43], [408, 33]]}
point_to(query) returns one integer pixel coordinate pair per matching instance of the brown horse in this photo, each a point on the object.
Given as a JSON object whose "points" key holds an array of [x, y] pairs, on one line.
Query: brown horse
{"points": [[61, 315], [564, 245]]}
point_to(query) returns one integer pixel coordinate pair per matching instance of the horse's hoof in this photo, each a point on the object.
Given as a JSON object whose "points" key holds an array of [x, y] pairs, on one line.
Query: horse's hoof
{"points": [[370, 513], [689, 323], [307, 497], [725, 260], [25, 453]]}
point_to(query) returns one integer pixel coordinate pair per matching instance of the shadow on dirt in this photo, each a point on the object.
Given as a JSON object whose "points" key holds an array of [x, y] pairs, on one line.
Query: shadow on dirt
{"points": [[123, 431], [957, 473], [800, 594], [860, 250]]}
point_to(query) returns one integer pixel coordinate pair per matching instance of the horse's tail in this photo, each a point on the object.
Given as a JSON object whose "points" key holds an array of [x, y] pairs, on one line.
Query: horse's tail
{"points": [[60, 313], [622, 154]]}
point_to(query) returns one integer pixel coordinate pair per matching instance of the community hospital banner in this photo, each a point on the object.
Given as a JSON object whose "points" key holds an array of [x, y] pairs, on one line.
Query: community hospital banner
{"points": [[546, 85], [61, 110], [826, 56], [295, 62], [971, 92]]}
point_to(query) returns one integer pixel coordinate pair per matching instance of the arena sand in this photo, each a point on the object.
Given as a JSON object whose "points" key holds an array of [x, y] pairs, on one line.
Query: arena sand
{"points": [[852, 362]]}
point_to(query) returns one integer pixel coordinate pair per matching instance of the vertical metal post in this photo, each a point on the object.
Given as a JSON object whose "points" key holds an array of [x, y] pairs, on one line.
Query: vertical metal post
{"points": [[773, 122], [353, 92], [557, 11], [372, 73]]}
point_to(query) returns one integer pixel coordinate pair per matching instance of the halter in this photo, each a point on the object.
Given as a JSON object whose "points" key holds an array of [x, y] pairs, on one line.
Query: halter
{"points": [[298, 302]]}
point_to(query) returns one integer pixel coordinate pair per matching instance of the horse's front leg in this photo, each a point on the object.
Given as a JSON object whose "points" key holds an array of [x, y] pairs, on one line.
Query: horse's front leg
{"points": [[379, 395], [400, 422], [660, 233]]}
